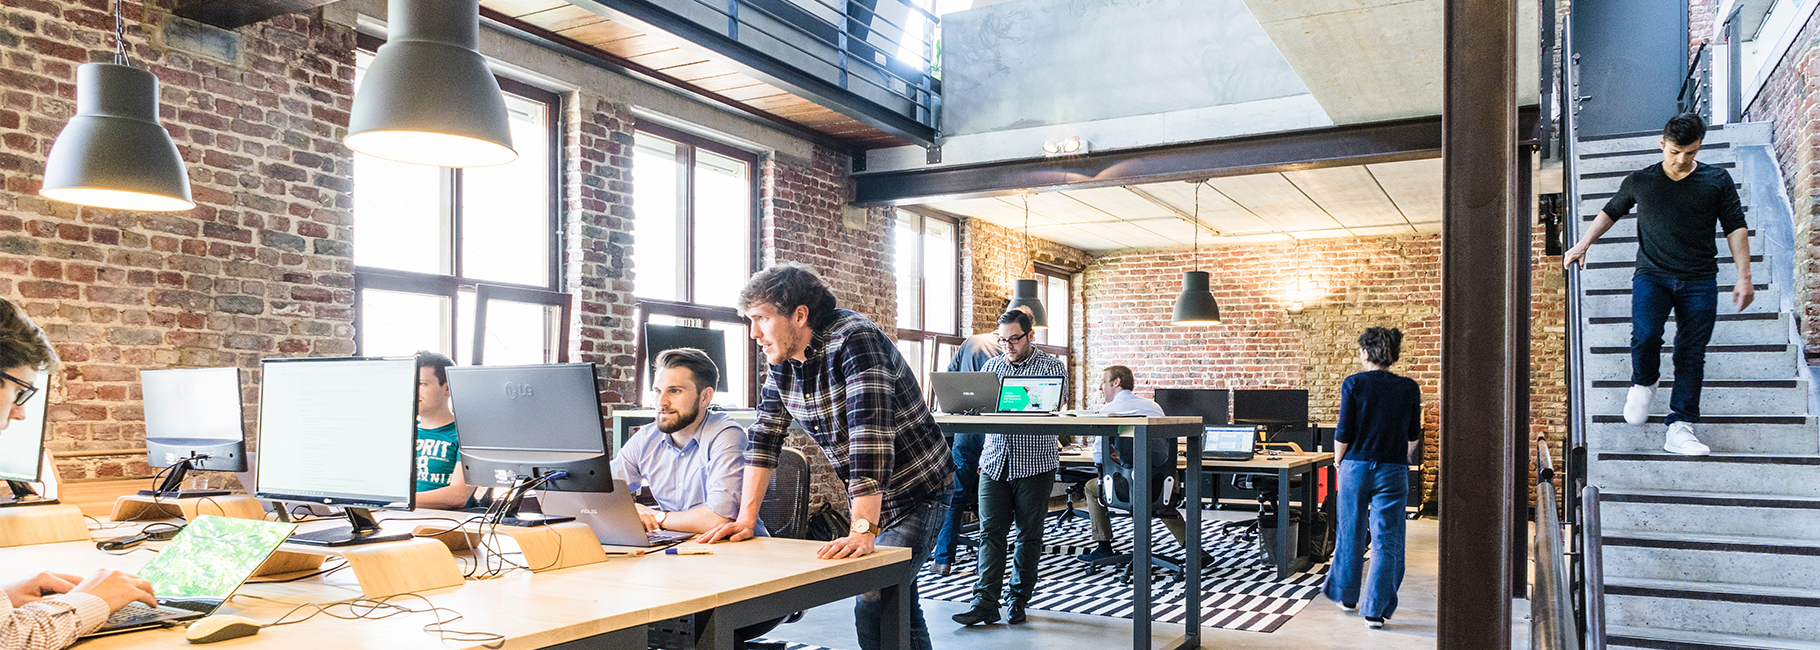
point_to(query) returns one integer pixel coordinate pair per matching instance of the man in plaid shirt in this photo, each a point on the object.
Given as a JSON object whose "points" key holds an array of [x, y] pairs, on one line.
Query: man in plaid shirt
{"points": [[1016, 474], [836, 374]]}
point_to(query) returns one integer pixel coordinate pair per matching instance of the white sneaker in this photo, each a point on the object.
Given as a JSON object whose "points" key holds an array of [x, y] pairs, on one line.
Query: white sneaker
{"points": [[1681, 440], [1636, 404], [1345, 607]]}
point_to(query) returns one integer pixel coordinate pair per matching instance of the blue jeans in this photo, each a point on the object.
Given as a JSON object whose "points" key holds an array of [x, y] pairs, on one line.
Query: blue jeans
{"points": [[914, 530], [1695, 304], [966, 449], [1378, 491]]}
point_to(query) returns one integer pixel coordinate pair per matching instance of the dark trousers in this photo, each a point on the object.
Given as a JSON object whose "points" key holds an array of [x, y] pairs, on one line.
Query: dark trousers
{"points": [[1024, 501], [966, 449], [1695, 304]]}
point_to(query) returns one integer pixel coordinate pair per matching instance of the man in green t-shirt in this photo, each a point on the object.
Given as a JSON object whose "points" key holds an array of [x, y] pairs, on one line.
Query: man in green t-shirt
{"points": [[439, 479]]}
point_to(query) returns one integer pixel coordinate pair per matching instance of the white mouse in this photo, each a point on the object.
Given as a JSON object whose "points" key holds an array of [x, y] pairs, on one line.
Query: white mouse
{"points": [[220, 627]]}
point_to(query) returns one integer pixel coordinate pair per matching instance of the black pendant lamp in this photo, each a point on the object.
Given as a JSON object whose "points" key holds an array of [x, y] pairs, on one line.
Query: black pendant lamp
{"points": [[113, 153], [1024, 291], [1196, 305], [429, 98]]}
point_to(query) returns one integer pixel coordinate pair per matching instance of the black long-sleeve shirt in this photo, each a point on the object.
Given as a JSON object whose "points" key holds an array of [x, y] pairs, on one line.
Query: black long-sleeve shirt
{"points": [[1675, 219], [1380, 414]]}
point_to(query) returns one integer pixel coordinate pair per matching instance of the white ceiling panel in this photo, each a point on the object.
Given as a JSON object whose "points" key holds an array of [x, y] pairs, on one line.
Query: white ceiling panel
{"points": [[1252, 239], [1217, 211], [1349, 194], [1276, 200], [996, 210], [1176, 229], [1059, 208], [1076, 237], [1380, 231], [1331, 233], [1123, 202], [1132, 235], [1414, 185]]}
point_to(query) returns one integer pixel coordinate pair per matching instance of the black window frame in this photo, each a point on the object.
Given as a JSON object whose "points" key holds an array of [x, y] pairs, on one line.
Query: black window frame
{"points": [[931, 340]]}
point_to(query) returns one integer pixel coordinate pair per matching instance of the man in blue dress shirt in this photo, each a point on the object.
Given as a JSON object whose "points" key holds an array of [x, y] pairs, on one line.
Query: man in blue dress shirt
{"points": [[691, 459]]}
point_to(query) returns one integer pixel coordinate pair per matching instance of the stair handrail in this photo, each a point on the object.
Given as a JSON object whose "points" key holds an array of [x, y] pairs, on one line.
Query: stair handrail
{"points": [[1592, 570], [1588, 592], [1551, 608]]}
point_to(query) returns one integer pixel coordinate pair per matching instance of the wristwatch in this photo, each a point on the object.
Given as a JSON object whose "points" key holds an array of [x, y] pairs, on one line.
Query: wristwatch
{"points": [[862, 526], [662, 516]]}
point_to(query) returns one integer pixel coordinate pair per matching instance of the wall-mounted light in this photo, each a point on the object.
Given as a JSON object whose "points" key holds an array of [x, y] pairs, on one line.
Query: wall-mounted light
{"points": [[429, 98], [1065, 147]]}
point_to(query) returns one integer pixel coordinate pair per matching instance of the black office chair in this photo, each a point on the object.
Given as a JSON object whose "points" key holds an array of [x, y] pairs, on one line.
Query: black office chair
{"points": [[1165, 496], [1076, 479], [1267, 488]]}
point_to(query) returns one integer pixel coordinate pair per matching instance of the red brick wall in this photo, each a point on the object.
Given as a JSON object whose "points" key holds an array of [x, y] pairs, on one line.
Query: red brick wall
{"points": [[261, 268], [597, 223], [803, 221], [1700, 15], [1790, 103], [994, 258]]}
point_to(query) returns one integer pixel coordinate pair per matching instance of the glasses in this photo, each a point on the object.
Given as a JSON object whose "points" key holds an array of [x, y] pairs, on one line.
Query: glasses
{"points": [[26, 391], [1007, 341]]}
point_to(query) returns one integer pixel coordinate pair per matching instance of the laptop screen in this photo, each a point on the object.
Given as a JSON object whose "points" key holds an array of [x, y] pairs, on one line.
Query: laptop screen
{"points": [[1030, 394], [1230, 440], [212, 556]]}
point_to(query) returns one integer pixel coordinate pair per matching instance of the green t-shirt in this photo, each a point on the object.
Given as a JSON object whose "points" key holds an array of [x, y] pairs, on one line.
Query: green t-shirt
{"points": [[437, 450]]}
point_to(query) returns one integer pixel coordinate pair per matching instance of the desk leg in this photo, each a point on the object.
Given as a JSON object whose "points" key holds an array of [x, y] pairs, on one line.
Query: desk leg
{"points": [[1140, 547], [1283, 549], [717, 633], [1305, 535], [894, 620], [1192, 623], [636, 637]]}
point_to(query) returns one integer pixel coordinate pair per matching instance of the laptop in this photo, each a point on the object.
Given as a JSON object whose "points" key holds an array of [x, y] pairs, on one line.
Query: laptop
{"points": [[1229, 443], [965, 392], [611, 515], [1032, 395], [197, 572]]}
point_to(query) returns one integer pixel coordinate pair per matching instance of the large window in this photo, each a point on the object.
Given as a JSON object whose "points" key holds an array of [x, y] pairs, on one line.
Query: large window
{"points": [[449, 258], [924, 250], [1055, 289], [693, 245]]}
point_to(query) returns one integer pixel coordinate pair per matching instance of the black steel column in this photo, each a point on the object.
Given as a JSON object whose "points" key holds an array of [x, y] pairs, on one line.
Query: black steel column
{"points": [[1479, 181], [1517, 400]]}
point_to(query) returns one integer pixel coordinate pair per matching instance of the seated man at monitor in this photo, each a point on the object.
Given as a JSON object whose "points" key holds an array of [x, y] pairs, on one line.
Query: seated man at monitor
{"points": [[1116, 383], [440, 485], [49, 610], [691, 459]]}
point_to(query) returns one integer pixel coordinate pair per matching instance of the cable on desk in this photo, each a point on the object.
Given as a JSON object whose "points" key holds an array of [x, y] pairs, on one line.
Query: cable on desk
{"points": [[374, 609]]}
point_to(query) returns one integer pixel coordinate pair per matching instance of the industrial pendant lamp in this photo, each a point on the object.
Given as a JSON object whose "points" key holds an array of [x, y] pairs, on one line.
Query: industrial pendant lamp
{"points": [[1196, 306], [428, 98], [1024, 293], [113, 153]]}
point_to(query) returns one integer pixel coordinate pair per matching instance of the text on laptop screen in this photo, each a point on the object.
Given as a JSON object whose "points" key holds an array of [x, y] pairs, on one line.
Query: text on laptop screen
{"points": [[1230, 439], [212, 556], [22, 441], [1030, 394]]}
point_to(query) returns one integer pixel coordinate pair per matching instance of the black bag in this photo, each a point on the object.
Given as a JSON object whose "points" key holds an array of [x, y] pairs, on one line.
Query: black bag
{"points": [[827, 524]]}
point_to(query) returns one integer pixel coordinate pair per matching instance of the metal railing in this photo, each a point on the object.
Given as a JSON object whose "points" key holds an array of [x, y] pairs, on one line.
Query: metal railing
{"points": [[1592, 571], [1551, 617], [1696, 94]]}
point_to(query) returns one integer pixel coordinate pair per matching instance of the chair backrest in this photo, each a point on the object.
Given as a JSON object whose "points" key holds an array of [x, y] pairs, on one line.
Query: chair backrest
{"points": [[1117, 476], [785, 510]]}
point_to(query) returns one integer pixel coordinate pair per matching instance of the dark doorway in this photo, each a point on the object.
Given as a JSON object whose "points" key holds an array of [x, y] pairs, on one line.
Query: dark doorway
{"points": [[1633, 56]]}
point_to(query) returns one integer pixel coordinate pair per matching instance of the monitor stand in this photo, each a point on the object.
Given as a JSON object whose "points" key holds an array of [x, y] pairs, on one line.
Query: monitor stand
{"points": [[172, 485], [24, 495], [362, 529], [510, 516]]}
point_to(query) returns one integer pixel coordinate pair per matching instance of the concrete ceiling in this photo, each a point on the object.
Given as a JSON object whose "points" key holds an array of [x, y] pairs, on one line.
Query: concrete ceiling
{"points": [[1367, 60], [1357, 201]]}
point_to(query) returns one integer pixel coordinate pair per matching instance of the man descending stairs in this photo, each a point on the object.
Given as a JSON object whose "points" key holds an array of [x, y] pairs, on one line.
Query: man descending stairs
{"points": [[1720, 550]]}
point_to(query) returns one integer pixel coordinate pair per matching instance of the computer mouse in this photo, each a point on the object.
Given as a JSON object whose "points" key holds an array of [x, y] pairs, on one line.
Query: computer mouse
{"points": [[220, 627]]}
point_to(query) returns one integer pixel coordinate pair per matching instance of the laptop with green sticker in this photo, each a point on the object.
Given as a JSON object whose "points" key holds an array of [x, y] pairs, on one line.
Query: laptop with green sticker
{"points": [[200, 568]]}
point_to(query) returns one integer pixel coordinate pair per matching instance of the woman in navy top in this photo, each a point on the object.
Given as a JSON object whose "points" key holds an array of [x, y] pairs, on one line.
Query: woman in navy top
{"points": [[1380, 428]]}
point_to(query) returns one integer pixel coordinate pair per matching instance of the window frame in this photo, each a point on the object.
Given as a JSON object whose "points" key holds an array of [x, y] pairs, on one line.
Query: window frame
{"points": [[686, 245], [1043, 273], [708, 315], [931, 340]]}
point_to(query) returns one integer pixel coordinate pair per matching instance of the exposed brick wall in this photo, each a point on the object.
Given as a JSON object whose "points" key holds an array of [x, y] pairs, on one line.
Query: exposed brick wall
{"points": [[261, 268], [597, 226], [1789, 101], [994, 257], [1547, 355], [1700, 15]]}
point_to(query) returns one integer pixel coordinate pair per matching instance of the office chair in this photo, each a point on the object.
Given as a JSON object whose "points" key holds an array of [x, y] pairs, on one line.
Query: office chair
{"points": [[1165, 495], [1266, 487], [1076, 479]]}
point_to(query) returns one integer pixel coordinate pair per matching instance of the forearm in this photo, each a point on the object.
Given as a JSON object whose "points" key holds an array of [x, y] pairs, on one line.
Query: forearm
{"points": [[1739, 240], [1339, 451], [50, 623], [450, 497], [698, 519], [1599, 226], [1415, 447], [868, 507], [752, 492]]}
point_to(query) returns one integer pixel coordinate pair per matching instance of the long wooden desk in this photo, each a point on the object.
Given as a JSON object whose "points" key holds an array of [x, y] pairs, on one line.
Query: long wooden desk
{"points": [[605, 605]]}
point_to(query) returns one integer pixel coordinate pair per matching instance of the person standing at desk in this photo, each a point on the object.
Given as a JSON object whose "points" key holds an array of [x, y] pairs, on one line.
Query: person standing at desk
{"points": [[1116, 383], [48, 611], [838, 375], [972, 355], [1380, 428], [440, 485], [1016, 474], [691, 458]]}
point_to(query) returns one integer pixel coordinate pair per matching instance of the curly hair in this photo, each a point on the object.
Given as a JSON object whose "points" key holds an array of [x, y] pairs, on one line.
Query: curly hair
{"points": [[1382, 345], [786, 286], [21, 342]]}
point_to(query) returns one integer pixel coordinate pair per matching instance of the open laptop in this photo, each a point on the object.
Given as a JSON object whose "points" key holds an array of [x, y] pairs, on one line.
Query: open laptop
{"points": [[611, 515], [1031, 395], [197, 572], [967, 393], [1229, 442]]}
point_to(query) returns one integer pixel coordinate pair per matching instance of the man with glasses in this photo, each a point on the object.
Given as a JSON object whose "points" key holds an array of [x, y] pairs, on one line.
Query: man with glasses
{"points": [[1016, 474], [49, 610]]}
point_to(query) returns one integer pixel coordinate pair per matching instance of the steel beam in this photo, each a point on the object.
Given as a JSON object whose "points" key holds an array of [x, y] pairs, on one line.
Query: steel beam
{"points": [[1479, 172], [234, 14]]}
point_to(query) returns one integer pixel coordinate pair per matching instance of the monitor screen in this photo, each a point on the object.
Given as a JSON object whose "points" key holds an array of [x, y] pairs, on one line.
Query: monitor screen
{"points": [[338, 431], [659, 338], [1229, 439], [1270, 406], [1213, 406], [193, 411], [22, 441], [1030, 394], [530, 421]]}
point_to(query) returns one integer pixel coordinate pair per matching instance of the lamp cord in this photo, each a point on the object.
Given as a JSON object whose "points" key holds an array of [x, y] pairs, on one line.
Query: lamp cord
{"points": [[1197, 225], [1029, 256], [120, 36]]}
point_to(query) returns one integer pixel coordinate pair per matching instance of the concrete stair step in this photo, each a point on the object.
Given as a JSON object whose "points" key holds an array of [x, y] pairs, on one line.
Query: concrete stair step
{"points": [[1773, 474], [1717, 397], [1714, 521], [1766, 301], [1707, 558], [1605, 278], [1710, 607], [1730, 329], [1606, 181], [1623, 636], [1623, 248], [1738, 133], [1723, 362], [1630, 160], [1735, 435]]}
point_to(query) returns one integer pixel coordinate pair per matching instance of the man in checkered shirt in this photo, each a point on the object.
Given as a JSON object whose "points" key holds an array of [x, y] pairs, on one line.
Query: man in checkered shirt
{"points": [[1016, 474]]}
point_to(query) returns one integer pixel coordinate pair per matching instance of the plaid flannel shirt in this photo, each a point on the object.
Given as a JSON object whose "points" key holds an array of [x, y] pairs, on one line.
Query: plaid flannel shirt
{"points": [[859, 400], [1008, 457], [49, 624]]}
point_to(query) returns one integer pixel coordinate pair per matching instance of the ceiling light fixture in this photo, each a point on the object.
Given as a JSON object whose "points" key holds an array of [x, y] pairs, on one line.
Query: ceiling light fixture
{"points": [[1196, 306], [1024, 293], [1065, 147], [429, 98], [114, 153]]}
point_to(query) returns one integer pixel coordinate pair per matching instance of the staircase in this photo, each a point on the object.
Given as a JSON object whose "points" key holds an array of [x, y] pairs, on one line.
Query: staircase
{"points": [[1721, 551]]}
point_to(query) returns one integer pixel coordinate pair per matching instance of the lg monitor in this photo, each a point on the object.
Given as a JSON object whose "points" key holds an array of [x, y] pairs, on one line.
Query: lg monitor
{"points": [[1213, 406], [659, 338], [531, 427], [22, 449], [339, 431], [1271, 407], [192, 422]]}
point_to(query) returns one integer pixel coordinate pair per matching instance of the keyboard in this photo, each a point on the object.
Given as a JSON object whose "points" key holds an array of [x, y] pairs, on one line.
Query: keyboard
{"points": [[137, 613], [668, 537]]}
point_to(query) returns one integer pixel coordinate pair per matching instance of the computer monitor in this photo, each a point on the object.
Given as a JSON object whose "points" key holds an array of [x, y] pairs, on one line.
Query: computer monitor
{"points": [[531, 427], [1273, 407], [1213, 406], [22, 449], [192, 421], [339, 431], [1030, 394], [659, 338]]}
